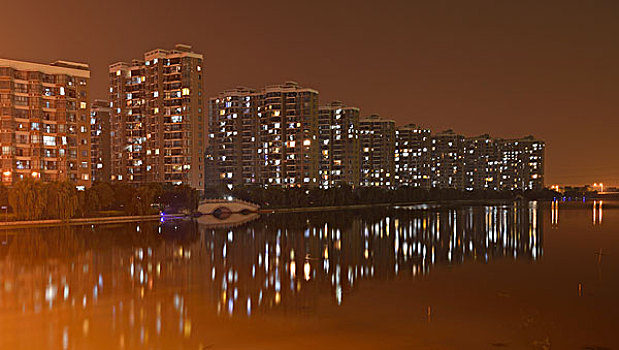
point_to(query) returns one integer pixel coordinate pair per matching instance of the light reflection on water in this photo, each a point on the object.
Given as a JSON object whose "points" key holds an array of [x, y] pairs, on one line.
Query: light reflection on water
{"points": [[146, 282], [598, 212]]}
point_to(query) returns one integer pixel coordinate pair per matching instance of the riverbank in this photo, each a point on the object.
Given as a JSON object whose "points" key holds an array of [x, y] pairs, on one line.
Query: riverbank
{"points": [[79, 221], [126, 219], [456, 202]]}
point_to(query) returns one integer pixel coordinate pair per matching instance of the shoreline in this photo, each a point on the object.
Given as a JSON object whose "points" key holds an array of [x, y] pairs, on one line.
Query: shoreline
{"points": [[78, 221], [126, 219], [365, 206]]}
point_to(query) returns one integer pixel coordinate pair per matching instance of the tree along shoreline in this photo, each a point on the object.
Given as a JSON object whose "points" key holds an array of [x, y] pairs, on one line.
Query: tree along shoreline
{"points": [[156, 217], [32, 200], [283, 198]]}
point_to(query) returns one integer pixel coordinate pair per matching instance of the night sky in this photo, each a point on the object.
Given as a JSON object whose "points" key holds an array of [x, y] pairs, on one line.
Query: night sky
{"points": [[508, 68]]}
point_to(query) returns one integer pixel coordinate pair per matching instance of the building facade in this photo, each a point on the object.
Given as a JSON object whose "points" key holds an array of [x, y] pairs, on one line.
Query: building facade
{"points": [[521, 164], [233, 157], [377, 141], [100, 113], [288, 117], [447, 160], [481, 164], [412, 156], [338, 127], [267, 137], [277, 136], [157, 122], [44, 130]]}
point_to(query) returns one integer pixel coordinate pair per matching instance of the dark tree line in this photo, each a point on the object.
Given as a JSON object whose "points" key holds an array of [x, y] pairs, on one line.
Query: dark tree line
{"points": [[276, 197], [31, 199]]}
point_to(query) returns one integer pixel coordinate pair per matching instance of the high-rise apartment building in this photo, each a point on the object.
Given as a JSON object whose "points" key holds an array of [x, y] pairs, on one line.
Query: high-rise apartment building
{"points": [[481, 164], [157, 118], [100, 113], [277, 136], [288, 117], [412, 156], [267, 137], [338, 127], [521, 164], [234, 141], [377, 141], [447, 160], [44, 122]]}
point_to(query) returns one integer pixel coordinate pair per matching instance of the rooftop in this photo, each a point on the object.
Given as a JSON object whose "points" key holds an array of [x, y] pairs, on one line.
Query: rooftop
{"points": [[59, 67]]}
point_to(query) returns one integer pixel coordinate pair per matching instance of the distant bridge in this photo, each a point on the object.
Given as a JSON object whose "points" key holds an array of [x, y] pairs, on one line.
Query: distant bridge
{"points": [[218, 206]]}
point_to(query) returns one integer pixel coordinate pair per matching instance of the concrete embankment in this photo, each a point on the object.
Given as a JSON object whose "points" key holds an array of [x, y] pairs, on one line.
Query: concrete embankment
{"points": [[80, 221]]}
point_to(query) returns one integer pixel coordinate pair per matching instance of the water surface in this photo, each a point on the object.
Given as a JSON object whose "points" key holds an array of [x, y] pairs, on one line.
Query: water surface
{"points": [[520, 275]]}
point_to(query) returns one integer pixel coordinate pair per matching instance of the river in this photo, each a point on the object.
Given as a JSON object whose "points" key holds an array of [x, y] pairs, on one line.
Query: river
{"points": [[523, 275]]}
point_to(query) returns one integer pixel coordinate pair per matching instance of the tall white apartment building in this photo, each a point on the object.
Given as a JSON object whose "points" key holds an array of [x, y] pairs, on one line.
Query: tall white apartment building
{"points": [[267, 137], [447, 160], [44, 121], [157, 123], [521, 164], [412, 156], [339, 145], [377, 143]]}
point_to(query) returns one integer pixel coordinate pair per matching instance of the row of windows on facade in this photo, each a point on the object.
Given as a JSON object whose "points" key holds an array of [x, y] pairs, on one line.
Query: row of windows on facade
{"points": [[43, 91], [18, 113], [24, 101], [43, 127]]}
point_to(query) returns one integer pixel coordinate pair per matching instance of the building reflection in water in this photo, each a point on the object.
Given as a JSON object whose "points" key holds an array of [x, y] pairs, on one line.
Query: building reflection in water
{"points": [[158, 279], [598, 212], [554, 209]]}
